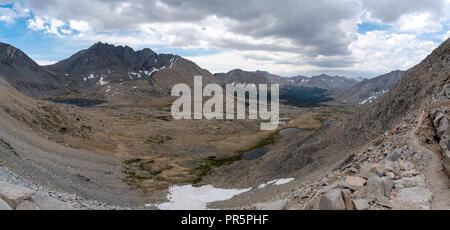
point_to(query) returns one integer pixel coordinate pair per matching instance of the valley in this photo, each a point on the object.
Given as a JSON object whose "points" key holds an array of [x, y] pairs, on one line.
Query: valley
{"points": [[105, 137]]}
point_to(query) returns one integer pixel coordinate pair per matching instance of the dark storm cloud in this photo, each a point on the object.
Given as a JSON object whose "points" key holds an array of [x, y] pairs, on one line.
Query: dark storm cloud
{"points": [[389, 11], [313, 27]]}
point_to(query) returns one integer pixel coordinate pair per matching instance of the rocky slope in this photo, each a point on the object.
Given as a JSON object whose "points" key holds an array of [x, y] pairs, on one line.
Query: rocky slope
{"points": [[323, 82], [27, 76], [367, 91], [28, 149], [394, 116]]}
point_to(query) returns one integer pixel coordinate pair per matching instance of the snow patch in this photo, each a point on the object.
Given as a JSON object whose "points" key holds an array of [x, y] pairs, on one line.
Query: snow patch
{"points": [[101, 81], [277, 182], [188, 197], [374, 97], [172, 62]]}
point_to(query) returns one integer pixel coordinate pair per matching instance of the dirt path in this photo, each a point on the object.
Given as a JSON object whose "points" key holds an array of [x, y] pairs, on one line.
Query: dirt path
{"points": [[438, 182]]}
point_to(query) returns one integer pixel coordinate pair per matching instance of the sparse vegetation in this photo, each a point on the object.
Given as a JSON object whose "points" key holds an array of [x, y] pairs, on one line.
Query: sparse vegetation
{"points": [[203, 167], [164, 118], [158, 139], [138, 169]]}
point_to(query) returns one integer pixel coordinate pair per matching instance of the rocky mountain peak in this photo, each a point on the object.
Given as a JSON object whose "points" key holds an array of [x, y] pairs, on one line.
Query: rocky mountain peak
{"points": [[10, 55]]}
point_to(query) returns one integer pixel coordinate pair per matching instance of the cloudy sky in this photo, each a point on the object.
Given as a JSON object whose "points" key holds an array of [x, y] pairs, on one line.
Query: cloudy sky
{"points": [[288, 37]]}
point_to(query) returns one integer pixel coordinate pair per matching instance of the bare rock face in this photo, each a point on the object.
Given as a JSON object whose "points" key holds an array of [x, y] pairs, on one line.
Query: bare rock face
{"points": [[439, 114], [13, 194], [27, 76], [361, 204], [45, 202], [368, 91], [354, 183], [27, 205], [273, 205], [16, 197], [4, 206], [332, 200], [415, 198]]}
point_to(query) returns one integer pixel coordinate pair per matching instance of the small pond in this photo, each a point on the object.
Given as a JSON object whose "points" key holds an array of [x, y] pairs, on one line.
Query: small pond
{"points": [[290, 131], [330, 122], [255, 154]]}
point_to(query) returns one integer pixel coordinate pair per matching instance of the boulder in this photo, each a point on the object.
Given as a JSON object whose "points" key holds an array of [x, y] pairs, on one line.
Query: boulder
{"points": [[273, 205], [444, 127], [415, 198], [381, 169], [446, 162], [4, 206], [328, 188], [387, 185], [354, 183], [366, 170], [409, 182], [346, 195], [27, 205], [47, 203], [332, 200], [395, 155], [361, 204], [14, 194], [375, 188]]}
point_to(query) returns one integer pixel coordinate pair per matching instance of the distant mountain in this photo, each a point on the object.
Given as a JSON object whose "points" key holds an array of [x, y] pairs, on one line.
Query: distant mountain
{"points": [[262, 77], [27, 76], [274, 79], [110, 70], [238, 76], [289, 93], [368, 91], [323, 81]]}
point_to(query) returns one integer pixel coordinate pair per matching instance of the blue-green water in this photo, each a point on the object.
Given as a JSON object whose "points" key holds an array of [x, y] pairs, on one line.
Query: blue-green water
{"points": [[290, 131], [255, 154]]}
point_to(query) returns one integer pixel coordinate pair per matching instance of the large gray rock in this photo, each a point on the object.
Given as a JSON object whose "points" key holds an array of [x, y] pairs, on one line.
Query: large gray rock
{"points": [[27, 205], [347, 196], [375, 188], [395, 155], [446, 161], [444, 127], [14, 194], [409, 182], [366, 170], [47, 203], [387, 185], [416, 198], [361, 204], [273, 205], [332, 200], [354, 183], [4, 206]]}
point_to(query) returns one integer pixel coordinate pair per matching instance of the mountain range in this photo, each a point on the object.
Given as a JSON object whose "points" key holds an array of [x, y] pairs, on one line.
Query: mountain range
{"points": [[122, 75]]}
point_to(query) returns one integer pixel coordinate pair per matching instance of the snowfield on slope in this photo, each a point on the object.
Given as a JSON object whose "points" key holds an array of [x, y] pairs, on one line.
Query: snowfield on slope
{"points": [[188, 197]]}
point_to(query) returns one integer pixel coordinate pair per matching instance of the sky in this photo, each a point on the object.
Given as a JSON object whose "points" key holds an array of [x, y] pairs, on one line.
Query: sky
{"points": [[289, 37]]}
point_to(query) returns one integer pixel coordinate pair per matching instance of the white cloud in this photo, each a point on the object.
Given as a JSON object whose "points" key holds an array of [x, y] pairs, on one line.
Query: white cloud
{"points": [[380, 51], [9, 15], [285, 38], [48, 25], [419, 23]]}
